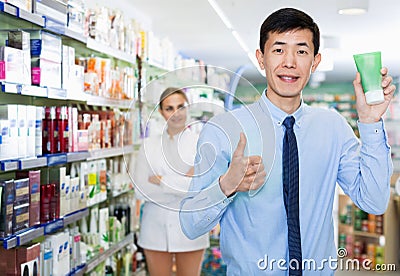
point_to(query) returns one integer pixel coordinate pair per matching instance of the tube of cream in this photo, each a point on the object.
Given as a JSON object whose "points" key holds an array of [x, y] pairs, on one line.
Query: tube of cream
{"points": [[369, 66]]}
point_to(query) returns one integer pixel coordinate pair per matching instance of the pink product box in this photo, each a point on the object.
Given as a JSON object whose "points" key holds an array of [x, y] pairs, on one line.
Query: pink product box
{"points": [[46, 73], [83, 140], [15, 65], [2, 69]]}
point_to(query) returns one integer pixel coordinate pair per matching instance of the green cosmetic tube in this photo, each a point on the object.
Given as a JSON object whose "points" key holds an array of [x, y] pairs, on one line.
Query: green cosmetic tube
{"points": [[369, 66]]}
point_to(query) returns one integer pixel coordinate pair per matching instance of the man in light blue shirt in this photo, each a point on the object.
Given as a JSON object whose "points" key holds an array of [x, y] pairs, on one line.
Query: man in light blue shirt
{"points": [[238, 171]]}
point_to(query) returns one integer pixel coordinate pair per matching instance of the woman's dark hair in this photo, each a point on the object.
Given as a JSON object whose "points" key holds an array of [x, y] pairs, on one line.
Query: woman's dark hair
{"points": [[169, 91], [288, 19]]}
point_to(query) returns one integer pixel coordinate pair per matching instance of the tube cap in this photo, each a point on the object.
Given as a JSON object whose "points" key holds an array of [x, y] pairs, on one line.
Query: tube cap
{"points": [[374, 97]]}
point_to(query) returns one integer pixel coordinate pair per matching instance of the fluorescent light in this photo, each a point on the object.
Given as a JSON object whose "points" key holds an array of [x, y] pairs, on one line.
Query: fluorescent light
{"points": [[240, 41], [235, 34], [352, 7], [221, 14]]}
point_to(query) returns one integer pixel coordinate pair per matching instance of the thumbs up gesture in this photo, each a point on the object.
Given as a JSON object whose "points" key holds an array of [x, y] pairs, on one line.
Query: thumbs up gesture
{"points": [[244, 173]]}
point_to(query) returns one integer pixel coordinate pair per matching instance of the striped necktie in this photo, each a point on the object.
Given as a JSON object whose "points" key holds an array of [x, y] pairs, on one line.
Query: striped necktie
{"points": [[290, 166]]}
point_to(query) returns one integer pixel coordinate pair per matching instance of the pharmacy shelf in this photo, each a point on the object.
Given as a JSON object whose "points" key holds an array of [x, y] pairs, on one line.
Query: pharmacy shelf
{"points": [[109, 252], [61, 94], [367, 234], [9, 165], [44, 229], [119, 193], [32, 90], [107, 50], [79, 272], [102, 101], [63, 158], [31, 163], [110, 152], [22, 14], [75, 35], [77, 156]]}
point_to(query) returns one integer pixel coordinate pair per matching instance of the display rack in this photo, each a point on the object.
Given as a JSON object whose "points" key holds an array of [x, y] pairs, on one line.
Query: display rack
{"points": [[63, 158], [13, 93], [44, 229], [388, 239], [109, 252]]}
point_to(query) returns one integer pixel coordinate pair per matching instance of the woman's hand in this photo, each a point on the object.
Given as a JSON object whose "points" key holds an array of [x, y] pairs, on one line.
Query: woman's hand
{"points": [[190, 172], [155, 179]]}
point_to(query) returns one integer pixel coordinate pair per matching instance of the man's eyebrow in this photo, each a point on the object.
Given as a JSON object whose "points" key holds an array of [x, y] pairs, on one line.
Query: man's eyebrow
{"points": [[303, 44], [298, 44]]}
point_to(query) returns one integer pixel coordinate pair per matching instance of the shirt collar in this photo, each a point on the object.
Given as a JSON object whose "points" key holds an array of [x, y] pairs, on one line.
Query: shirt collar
{"points": [[277, 114]]}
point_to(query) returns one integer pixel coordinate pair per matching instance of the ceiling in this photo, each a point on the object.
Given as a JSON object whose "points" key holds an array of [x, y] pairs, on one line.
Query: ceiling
{"points": [[198, 32]]}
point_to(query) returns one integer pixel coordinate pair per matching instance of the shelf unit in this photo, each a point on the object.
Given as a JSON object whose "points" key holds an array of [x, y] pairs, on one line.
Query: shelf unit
{"points": [[388, 239], [63, 158], [11, 93], [109, 252], [45, 229]]}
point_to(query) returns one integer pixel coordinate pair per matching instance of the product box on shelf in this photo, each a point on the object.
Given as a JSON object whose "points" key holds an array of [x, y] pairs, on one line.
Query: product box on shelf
{"points": [[65, 193], [75, 195], [21, 217], [6, 207], [46, 45], [76, 16], [46, 73], [72, 129], [38, 131], [22, 130], [4, 139], [14, 65], [65, 66], [8, 117], [22, 4], [56, 10], [61, 255], [57, 176], [34, 194], [21, 187], [19, 39], [76, 83], [104, 228], [14, 259], [31, 131], [50, 193], [83, 139]]}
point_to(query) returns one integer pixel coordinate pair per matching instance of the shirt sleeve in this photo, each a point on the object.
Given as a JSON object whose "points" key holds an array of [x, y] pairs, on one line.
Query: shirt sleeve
{"points": [[144, 190], [173, 186], [366, 167], [205, 203]]}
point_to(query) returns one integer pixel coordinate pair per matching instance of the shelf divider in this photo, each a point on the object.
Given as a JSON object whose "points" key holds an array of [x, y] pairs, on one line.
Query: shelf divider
{"points": [[109, 252]]}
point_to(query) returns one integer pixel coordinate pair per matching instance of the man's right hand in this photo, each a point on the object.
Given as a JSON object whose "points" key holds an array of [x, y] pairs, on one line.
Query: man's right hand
{"points": [[244, 173]]}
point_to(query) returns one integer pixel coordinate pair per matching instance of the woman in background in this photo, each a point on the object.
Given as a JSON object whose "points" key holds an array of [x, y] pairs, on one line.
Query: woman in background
{"points": [[162, 177]]}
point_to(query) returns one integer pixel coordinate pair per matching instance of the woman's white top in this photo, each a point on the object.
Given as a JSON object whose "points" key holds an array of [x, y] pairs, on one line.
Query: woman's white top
{"points": [[171, 158]]}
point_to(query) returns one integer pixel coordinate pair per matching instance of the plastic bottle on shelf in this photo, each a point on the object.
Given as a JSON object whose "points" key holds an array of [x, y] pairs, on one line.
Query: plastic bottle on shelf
{"points": [[47, 259], [108, 269]]}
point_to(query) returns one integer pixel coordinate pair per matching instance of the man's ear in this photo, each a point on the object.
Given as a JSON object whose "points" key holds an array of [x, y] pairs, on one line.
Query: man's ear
{"points": [[317, 60], [260, 59]]}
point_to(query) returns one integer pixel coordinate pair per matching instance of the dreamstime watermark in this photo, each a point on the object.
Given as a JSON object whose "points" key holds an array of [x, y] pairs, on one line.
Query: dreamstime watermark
{"points": [[340, 263]]}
